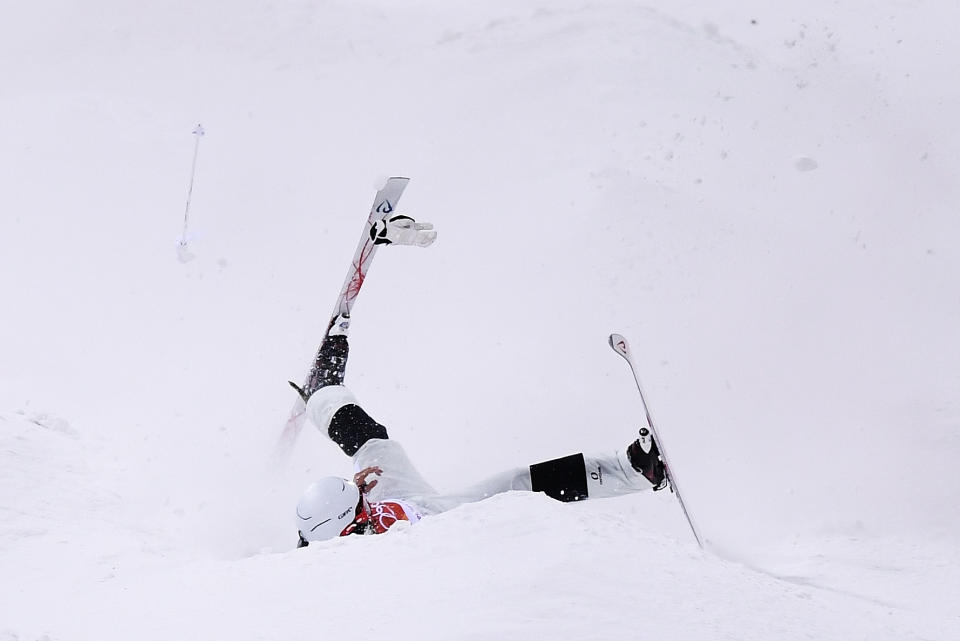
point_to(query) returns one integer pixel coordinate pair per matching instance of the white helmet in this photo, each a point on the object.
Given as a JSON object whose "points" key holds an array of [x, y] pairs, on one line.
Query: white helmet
{"points": [[326, 509]]}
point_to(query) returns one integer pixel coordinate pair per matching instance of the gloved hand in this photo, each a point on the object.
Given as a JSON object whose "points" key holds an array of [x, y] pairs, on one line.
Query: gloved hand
{"points": [[402, 230]]}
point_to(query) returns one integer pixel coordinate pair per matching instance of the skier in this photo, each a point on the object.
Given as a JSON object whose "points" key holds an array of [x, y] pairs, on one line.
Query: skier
{"points": [[387, 488]]}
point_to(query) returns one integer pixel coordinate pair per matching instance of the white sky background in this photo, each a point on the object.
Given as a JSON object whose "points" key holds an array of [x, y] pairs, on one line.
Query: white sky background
{"points": [[767, 210]]}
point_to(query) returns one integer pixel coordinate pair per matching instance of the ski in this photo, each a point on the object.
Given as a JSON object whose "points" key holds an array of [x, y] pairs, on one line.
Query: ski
{"points": [[383, 205], [621, 347]]}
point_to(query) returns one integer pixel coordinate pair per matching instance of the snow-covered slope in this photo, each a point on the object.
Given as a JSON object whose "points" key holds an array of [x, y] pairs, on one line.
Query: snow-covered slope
{"points": [[516, 566], [764, 203]]}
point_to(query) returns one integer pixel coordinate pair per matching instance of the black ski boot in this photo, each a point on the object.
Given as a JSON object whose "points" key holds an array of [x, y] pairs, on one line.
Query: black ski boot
{"points": [[644, 456], [330, 367]]}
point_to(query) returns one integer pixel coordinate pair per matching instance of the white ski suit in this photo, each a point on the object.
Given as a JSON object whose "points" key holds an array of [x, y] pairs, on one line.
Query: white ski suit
{"points": [[570, 478]]}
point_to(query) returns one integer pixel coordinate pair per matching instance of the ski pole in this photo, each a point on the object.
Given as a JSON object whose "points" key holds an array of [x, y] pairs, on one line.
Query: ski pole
{"points": [[198, 133]]}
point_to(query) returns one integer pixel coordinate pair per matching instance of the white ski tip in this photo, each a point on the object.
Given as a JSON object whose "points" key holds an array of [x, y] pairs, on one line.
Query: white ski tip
{"points": [[383, 183]]}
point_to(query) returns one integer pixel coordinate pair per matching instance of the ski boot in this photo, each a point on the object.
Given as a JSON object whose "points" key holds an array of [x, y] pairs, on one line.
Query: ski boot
{"points": [[331, 364], [644, 456]]}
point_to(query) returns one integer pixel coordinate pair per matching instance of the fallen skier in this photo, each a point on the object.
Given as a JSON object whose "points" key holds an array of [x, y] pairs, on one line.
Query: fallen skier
{"points": [[387, 487]]}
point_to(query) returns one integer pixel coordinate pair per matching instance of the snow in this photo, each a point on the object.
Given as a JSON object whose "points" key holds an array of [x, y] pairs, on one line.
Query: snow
{"points": [[762, 201]]}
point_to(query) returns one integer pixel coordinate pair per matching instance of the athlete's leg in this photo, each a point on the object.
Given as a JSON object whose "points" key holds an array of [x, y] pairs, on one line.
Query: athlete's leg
{"points": [[515, 479], [578, 477], [330, 405], [335, 412], [571, 478], [330, 366]]}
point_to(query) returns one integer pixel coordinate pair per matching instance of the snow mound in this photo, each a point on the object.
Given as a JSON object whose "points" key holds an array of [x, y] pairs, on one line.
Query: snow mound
{"points": [[516, 566]]}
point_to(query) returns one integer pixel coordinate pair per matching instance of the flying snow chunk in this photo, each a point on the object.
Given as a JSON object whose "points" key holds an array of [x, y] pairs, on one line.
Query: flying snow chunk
{"points": [[804, 163]]}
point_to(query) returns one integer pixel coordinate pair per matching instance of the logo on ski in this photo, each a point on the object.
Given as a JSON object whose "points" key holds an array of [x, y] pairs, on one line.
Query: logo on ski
{"points": [[385, 207]]}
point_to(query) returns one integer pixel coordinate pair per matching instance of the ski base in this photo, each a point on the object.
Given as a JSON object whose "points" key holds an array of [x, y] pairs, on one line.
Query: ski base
{"points": [[620, 345]]}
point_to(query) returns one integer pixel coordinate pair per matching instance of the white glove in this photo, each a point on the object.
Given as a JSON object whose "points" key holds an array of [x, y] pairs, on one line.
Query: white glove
{"points": [[402, 230]]}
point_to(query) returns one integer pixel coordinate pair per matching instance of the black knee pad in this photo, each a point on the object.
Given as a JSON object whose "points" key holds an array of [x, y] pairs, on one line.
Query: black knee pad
{"points": [[564, 479], [351, 427]]}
